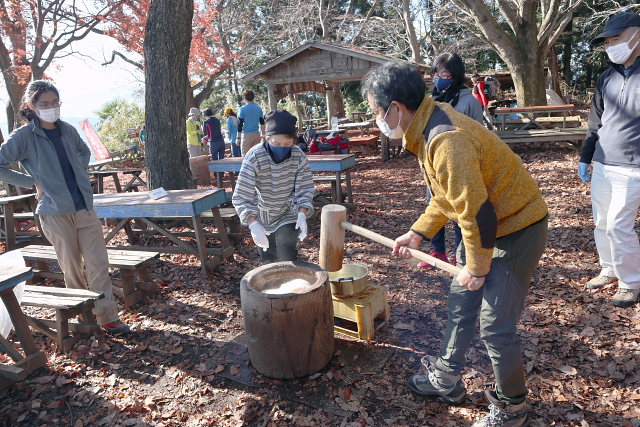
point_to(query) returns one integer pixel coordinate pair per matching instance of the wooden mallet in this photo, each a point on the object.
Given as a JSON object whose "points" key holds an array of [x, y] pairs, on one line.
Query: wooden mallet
{"points": [[332, 234]]}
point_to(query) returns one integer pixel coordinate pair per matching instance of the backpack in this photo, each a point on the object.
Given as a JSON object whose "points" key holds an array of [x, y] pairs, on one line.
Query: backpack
{"points": [[491, 87]]}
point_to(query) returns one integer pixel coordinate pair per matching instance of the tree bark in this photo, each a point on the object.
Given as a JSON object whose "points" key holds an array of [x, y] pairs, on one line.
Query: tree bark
{"points": [[554, 71], [416, 56], [166, 48], [566, 54], [524, 46]]}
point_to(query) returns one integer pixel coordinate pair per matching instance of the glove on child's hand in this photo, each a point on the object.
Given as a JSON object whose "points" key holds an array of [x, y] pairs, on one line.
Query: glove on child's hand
{"points": [[259, 235], [302, 225]]}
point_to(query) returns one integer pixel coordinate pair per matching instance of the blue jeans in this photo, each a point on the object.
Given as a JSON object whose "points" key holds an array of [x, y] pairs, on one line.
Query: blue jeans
{"points": [[438, 240], [499, 303], [235, 148]]}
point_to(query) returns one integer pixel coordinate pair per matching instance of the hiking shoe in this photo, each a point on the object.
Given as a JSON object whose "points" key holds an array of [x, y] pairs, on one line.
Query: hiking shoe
{"points": [[625, 297], [116, 328], [440, 255], [503, 414], [599, 281], [435, 382]]}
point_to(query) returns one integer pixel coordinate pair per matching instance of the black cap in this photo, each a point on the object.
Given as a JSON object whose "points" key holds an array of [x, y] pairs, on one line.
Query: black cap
{"points": [[280, 122], [617, 24]]}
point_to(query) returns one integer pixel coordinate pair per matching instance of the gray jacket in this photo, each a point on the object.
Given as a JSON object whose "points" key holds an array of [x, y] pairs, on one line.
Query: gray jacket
{"points": [[469, 105], [30, 146], [613, 137]]}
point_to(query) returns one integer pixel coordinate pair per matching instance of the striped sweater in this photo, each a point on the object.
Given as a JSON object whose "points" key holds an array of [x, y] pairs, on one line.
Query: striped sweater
{"points": [[475, 179], [273, 192]]}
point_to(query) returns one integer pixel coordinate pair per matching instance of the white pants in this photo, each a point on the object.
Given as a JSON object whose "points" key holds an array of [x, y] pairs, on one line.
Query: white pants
{"points": [[194, 150], [615, 197]]}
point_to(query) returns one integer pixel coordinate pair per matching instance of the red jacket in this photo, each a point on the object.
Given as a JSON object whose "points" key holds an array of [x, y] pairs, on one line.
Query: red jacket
{"points": [[478, 92]]}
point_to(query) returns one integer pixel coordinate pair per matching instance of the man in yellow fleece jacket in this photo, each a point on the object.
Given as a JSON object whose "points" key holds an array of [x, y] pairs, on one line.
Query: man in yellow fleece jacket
{"points": [[477, 181]]}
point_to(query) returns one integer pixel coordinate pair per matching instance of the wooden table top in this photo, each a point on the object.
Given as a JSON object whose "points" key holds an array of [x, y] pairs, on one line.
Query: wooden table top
{"points": [[319, 163], [184, 203], [13, 199], [11, 276], [112, 171], [535, 109]]}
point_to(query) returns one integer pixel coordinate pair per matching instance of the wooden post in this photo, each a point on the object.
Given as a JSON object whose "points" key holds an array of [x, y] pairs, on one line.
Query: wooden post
{"points": [[332, 237], [298, 113], [384, 147], [330, 106], [273, 99]]}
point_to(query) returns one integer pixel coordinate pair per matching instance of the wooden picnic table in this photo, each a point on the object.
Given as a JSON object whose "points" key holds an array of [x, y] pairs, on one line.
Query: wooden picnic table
{"points": [[530, 114], [8, 207], [33, 358], [337, 163], [113, 173], [361, 126], [176, 204]]}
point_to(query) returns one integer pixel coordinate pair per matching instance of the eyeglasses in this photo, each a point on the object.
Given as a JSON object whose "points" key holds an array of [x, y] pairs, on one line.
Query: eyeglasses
{"points": [[46, 105]]}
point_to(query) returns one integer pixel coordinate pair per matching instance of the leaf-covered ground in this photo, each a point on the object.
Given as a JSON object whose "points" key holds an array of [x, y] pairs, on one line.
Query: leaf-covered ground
{"points": [[186, 363]]}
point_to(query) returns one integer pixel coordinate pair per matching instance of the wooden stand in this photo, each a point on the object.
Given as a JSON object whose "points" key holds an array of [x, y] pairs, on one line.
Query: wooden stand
{"points": [[363, 309], [34, 358]]}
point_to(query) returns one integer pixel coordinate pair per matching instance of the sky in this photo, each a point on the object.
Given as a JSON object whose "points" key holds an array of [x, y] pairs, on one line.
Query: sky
{"points": [[85, 85]]}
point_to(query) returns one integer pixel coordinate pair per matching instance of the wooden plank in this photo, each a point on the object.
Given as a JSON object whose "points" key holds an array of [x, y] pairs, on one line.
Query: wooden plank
{"points": [[117, 258], [57, 302], [65, 292], [176, 203], [11, 276], [13, 373], [535, 109]]}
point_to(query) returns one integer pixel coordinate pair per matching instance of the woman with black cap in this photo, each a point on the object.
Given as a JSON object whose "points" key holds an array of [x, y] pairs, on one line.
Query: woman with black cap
{"points": [[274, 191]]}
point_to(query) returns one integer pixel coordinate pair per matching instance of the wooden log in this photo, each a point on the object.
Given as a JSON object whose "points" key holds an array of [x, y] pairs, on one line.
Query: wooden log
{"points": [[391, 243], [289, 335], [332, 237]]}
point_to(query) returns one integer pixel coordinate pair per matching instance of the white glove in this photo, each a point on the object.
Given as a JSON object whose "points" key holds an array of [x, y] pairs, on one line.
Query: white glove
{"points": [[302, 225], [259, 235]]}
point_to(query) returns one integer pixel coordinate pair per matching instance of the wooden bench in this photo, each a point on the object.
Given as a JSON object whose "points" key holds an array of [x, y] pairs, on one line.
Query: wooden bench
{"points": [[548, 135], [530, 113], [68, 303], [364, 144], [129, 263], [551, 122]]}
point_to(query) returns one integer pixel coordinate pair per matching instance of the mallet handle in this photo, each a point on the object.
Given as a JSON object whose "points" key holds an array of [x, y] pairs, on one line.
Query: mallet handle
{"points": [[391, 243]]}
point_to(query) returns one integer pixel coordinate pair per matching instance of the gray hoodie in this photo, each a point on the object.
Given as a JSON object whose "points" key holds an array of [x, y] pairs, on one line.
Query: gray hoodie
{"points": [[30, 146]]}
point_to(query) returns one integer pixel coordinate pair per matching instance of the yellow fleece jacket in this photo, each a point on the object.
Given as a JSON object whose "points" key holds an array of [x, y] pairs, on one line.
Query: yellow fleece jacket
{"points": [[192, 132], [475, 180]]}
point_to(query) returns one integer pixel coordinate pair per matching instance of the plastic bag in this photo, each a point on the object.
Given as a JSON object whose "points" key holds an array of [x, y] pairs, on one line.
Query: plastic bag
{"points": [[10, 259]]}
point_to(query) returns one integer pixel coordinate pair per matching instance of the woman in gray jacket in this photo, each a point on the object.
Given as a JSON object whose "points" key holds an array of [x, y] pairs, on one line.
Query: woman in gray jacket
{"points": [[56, 161]]}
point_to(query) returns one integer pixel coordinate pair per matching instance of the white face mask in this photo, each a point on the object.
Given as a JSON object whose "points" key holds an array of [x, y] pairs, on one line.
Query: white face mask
{"points": [[620, 53], [50, 115], [396, 133]]}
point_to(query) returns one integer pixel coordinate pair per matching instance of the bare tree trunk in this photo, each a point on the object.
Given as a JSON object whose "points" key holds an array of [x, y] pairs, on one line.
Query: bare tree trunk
{"points": [[554, 71], [411, 32], [166, 47], [566, 54]]}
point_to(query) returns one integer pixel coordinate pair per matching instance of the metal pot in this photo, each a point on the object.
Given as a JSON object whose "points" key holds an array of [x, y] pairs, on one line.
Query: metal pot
{"points": [[351, 279]]}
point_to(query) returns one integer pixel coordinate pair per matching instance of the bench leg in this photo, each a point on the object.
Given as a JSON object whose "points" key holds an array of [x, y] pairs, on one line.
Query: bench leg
{"points": [[132, 295]]}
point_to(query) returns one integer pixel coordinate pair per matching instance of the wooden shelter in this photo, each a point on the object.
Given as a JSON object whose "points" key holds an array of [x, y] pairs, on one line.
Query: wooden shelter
{"points": [[315, 67]]}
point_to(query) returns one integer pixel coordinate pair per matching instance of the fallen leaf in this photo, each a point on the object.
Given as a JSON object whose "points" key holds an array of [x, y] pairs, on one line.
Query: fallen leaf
{"points": [[569, 370]]}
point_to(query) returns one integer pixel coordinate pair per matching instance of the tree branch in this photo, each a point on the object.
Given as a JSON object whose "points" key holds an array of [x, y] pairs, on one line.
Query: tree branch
{"points": [[124, 58]]}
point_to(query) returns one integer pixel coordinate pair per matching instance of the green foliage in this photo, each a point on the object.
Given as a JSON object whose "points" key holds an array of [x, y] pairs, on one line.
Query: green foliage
{"points": [[116, 117]]}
